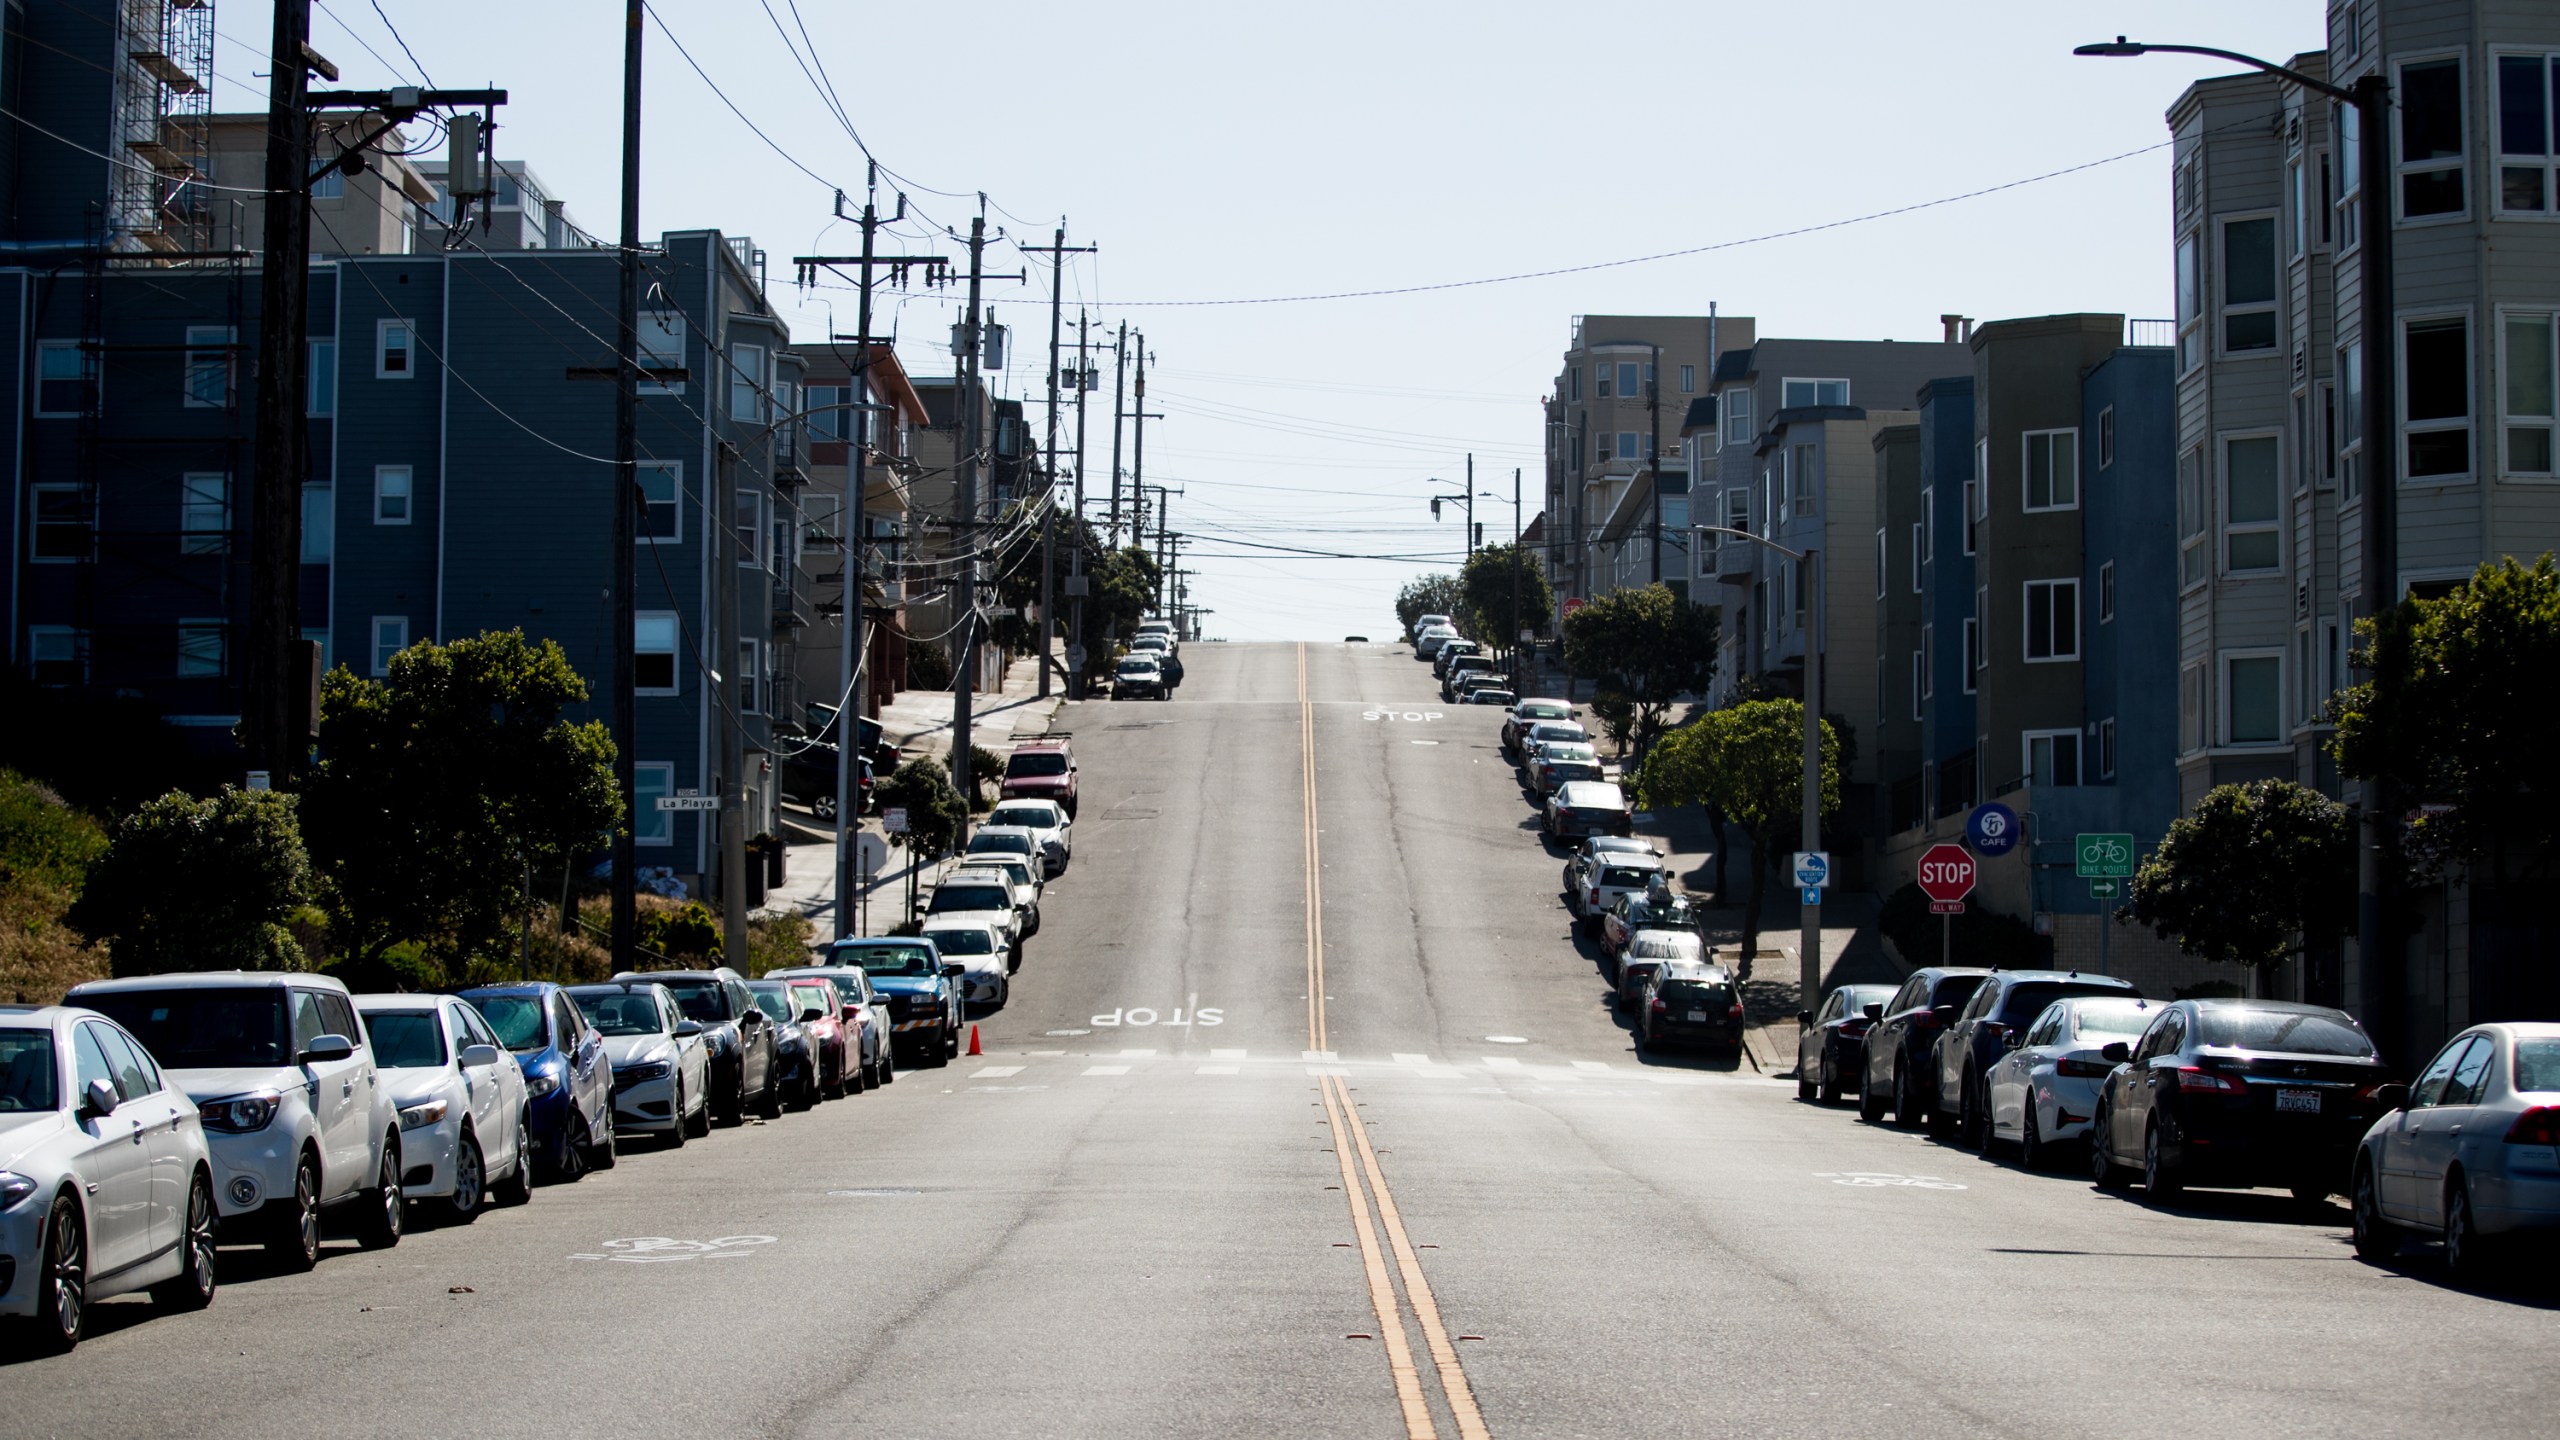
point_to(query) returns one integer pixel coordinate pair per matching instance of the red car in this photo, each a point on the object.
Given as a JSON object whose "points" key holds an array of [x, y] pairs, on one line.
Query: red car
{"points": [[822, 1019], [1042, 769]]}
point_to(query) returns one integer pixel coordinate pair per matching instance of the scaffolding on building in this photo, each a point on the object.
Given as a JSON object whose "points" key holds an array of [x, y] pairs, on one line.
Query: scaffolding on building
{"points": [[163, 119]]}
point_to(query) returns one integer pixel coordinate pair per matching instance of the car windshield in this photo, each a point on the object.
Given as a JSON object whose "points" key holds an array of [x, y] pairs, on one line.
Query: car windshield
{"points": [[2027, 1001], [970, 897], [621, 1012], [27, 1081], [1029, 818], [772, 1000], [405, 1039], [1559, 730], [1670, 910], [2110, 1019], [810, 995], [892, 959], [703, 1001], [1492, 697], [1000, 844], [848, 988], [2537, 1065], [2293, 1032], [1668, 945], [516, 1018], [1626, 877], [1545, 712], [965, 942], [1955, 989], [208, 1029], [1135, 665], [1557, 750], [1015, 871]]}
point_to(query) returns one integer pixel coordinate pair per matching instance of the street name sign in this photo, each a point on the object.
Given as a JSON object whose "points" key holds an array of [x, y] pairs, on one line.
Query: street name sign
{"points": [[688, 802]]}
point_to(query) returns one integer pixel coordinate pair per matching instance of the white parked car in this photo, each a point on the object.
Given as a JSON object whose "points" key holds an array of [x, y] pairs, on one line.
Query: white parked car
{"points": [[295, 1117], [1052, 829], [1024, 875], [106, 1185], [461, 1100], [1428, 643], [2044, 1091], [2472, 1156], [1427, 622], [978, 943], [661, 1064], [984, 893]]}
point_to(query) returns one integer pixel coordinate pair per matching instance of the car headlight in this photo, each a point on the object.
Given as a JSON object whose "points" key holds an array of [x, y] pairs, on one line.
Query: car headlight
{"points": [[422, 1114], [790, 1042], [720, 1042], [540, 1084], [14, 1187], [240, 1114], [654, 1070]]}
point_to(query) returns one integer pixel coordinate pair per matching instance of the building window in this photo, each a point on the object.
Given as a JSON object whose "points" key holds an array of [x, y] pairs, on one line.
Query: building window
{"points": [[2107, 748], [320, 388], [2053, 620], [1883, 577], [1575, 374], [2325, 209], [2350, 422], [746, 384], [394, 356], [2529, 404], [53, 655], [61, 531], [827, 417], [65, 373], [201, 649], [2107, 438], [1627, 445], [1980, 494], [2253, 698], [2435, 389], [2052, 756], [650, 780], [2107, 593], [1982, 617], [1972, 651], [2249, 285], [390, 637], [1737, 416], [2346, 122], [1688, 379], [2528, 87], [1628, 386], [662, 502], [2052, 469], [329, 184], [1928, 526], [2190, 306], [661, 352], [2326, 470], [208, 368], [2191, 517], [204, 513], [1919, 685], [1919, 554], [1802, 485], [2297, 210], [2190, 709], [653, 644], [1797, 393], [2429, 161], [1600, 378], [750, 676], [1928, 660], [750, 531], [319, 523], [2251, 505], [391, 494]]}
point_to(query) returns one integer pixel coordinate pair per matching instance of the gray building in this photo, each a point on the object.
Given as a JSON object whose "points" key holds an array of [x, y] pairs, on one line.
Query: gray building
{"points": [[1617, 408]]}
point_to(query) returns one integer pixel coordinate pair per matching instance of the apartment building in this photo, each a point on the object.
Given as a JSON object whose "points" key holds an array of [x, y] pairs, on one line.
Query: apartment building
{"points": [[837, 421]]}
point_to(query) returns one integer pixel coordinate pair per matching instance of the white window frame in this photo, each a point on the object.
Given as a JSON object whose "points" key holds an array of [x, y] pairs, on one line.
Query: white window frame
{"points": [[2500, 161], [652, 826], [2059, 446], [748, 382], [1928, 657], [406, 494], [391, 631], [208, 352], [1972, 653], [189, 660], [1919, 684], [2345, 124], [1817, 381], [2188, 278], [2106, 749], [1982, 621], [204, 513], [1981, 492], [2297, 207], [2274, 525], [320, 541], [2509, 421], [2222, 664], [659, 332], [1928, 524], [383, 349], [1688, 379], [1884, 566], [2225, 310], [2194, 520], [1965, 502], [1736, 412], [2027, 754], [748, 528], [36, 526], [1628, 446], [2106, 592], [2026, 626], [673, 471], [2459, 165], [1601, 386], [2191, 707], [41, 638], [1919, 555], [2467, 423], [85, 366], [750, 675], [2107, 438], [674, 651]]}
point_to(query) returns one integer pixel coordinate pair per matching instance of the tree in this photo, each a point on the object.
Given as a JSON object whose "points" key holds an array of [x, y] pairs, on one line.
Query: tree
{"points": [[1647, 644], [1427, 595], [1486, 582], [923, 788], [189, 884], [1748, 761], [2257, 873], [438, 785]]}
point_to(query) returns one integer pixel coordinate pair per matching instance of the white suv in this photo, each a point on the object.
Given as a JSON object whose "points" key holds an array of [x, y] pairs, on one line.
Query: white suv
{"points": [[279, 1067]]}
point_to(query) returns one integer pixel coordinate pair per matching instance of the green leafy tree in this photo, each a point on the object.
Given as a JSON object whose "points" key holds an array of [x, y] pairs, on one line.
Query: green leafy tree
{"points": [[1427, 595], [435, 787], [1648, 645], [1746, 760], [923, 788], [189, 884], [2257, 873], [1123, 583], [1486, 582], [1617, 716]]}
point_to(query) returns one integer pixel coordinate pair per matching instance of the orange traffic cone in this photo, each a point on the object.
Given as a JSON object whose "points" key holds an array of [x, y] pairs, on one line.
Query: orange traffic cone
{"points": [[973, 1041]]}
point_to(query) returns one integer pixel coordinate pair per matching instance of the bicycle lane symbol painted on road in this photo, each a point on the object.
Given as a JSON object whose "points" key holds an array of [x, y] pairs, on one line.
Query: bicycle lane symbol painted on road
{"points": [[1881, 1179], [661, 1250]]}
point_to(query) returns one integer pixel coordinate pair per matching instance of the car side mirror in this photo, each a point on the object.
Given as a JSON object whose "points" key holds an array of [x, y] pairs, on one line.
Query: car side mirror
{"points": [[1943, 1014], [687, 1029], [479, 1057], [2392, 1097], [98, 1099], [1804, 1017], [2115, 1052], [812, 1013], [327, 1047], [953, 969]]}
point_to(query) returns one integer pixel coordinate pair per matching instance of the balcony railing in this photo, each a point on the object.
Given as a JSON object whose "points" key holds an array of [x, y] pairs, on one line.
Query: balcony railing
{"points": [[2162, 333]]}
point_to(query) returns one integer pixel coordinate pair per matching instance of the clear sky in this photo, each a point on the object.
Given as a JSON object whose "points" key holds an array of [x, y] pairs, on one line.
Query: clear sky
{"points": [[1224, 152]]}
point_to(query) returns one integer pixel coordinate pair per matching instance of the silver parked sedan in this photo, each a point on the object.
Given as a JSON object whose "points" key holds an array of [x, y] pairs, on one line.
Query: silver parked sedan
{"points": [[2045, 1089], [661, 1065], [2472, 1154], [105, 1183]]}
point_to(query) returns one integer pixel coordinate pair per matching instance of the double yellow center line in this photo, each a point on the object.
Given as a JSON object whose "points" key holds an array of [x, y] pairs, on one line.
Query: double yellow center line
{"points": [[1350, 1136]]}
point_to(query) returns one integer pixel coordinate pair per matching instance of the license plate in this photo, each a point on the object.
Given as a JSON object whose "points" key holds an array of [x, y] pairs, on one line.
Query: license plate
{"points": [[2300, 1102], [1698, 1017]]}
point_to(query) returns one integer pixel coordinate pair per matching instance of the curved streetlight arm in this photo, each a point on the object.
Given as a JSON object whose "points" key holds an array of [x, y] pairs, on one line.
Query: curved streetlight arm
{"points": [[1796, 555], [2121, 48]]}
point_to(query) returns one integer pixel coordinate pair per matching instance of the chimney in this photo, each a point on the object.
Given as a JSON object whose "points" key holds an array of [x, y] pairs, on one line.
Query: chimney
{"points": [[1949, 325]]}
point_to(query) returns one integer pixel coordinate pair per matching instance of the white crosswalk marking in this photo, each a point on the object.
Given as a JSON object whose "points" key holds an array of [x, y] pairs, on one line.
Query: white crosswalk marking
{"points": [[1590, 1065], [1317, 1055], [1218, 1070], [995, 1072], [1402, 1058]]}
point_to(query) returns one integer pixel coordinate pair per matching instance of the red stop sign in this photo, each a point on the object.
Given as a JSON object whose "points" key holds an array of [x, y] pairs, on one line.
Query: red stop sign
{"points": [[1946, 873]]}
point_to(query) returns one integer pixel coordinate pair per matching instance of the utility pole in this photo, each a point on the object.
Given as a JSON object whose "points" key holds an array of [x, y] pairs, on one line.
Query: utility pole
{"points": [[1471, 504], [1077, 584], [626, 502], [270, 702], [726, 657], [965, 678], [1119, 412], [1519, 622], [1138, 464], [1653, 456], [1057, 250]]}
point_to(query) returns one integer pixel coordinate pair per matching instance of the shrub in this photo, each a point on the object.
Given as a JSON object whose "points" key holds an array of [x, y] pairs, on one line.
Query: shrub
{"points": [[46, 850], [777, 940], [928, 666], [986, 768], [191, 884], [688, 932], [923, 788]]}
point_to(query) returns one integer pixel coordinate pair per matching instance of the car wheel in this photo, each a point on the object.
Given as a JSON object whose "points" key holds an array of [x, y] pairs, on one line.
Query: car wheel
{"points": [[2375, 1237], [62, 1275], [604, 1153], [385, 1207], [941, 1049], [1870, 1104], [1806, 1089], [470, 1182], [682, 1130], [517, 1188], [824, 807], [294, 1243], [857, 1076], [1906, 1104], [2160, 1182], [698, 1124], [2031, 1146], [888, 1067], [769, 1104], [569, 1158], [2103, 1168], [193, 1286], [2466, 1252]]}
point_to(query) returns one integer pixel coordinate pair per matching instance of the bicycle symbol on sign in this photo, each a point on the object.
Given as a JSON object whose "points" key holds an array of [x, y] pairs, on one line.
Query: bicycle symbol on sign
{"points": [[661, 1250]]}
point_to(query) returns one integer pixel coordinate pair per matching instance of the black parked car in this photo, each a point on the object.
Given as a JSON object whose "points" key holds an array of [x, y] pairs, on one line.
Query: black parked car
{"points": [[1990, 1023], [1894, 1067], [737, 1033], [1446, 657], [2239, 1093], [1690, 1004], [1829, 1045], [1459, 669]]}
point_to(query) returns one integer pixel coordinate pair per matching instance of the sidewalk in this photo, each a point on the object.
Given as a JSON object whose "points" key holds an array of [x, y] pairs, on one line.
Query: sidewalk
{"points": [[919, 723]]}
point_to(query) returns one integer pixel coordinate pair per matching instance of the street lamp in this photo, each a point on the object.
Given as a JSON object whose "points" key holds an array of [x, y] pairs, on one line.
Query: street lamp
{"points": [[2378, 579], [1809, 927]]}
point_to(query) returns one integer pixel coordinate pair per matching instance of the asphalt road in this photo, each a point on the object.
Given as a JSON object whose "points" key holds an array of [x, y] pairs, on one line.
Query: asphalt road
{"points": [[1218, 1176]]}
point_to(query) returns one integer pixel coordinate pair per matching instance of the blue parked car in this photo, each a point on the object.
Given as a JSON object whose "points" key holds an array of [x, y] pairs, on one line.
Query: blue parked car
{"points": [[923, 991], [568, 1081]]}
